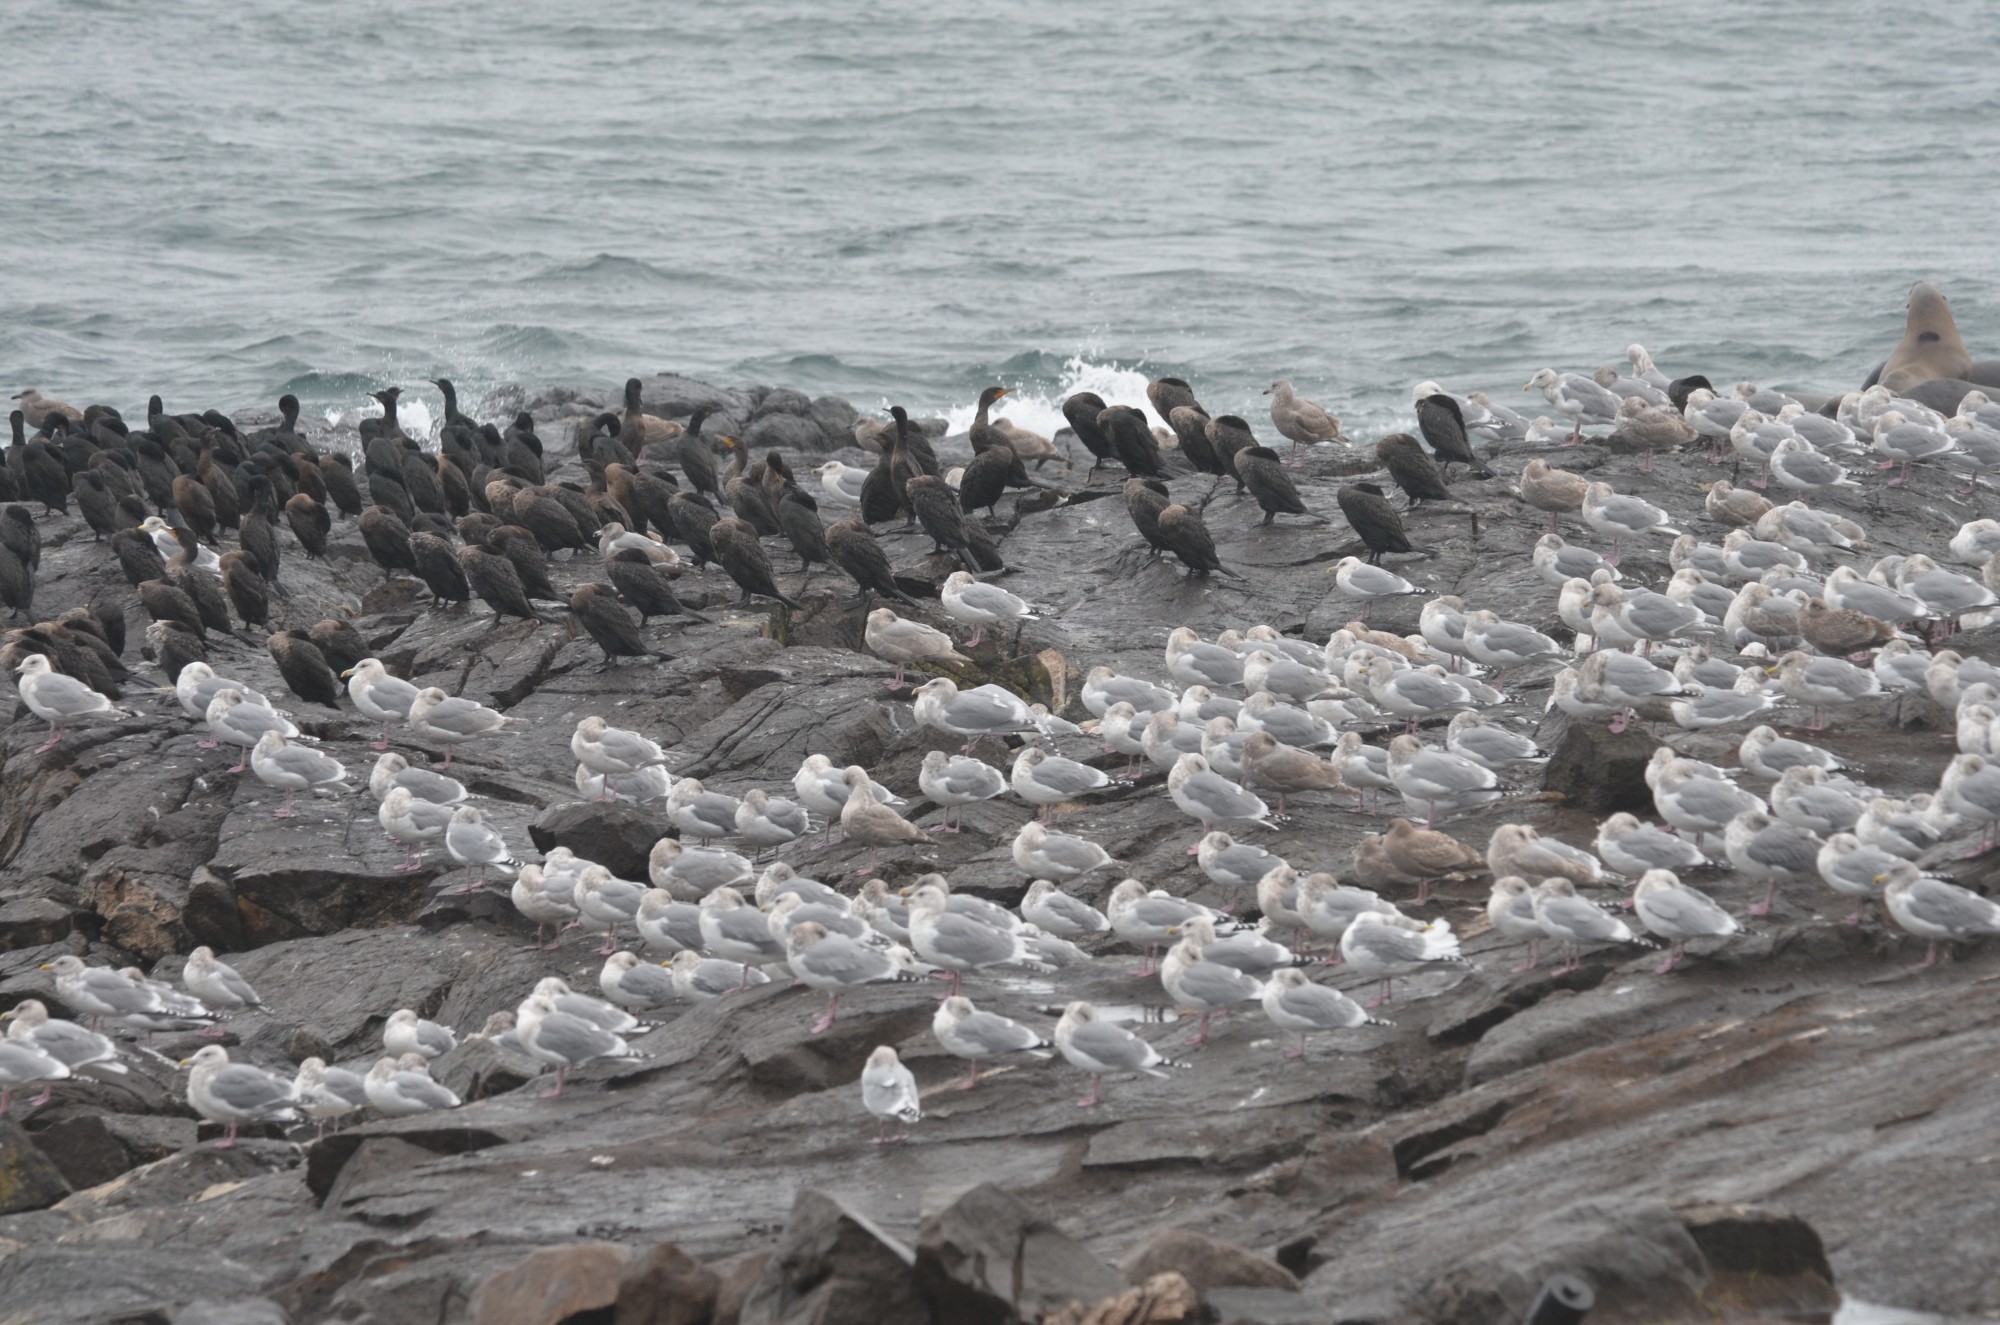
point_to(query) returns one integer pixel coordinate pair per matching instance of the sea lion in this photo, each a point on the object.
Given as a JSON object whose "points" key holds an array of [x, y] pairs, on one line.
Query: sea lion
{"points": [[1931, 363], [1931, 346]]}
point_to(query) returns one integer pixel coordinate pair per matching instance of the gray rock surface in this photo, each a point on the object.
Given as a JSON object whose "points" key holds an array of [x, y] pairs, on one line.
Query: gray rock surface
{"points": [[1793, 1107]]}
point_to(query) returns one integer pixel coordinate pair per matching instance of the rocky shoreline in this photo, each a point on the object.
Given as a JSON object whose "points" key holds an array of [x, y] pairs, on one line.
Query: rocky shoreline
{"points": [[1789, 1118]]}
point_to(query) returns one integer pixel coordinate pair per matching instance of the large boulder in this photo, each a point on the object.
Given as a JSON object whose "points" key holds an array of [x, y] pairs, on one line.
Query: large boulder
{"points": [[1637, 1256], [551, 1285], [617, 835], [786, 432], [1601, 771], [1204, 1262], [988, 1258], [91, 1148], [667, 1287], [29, 1179], [833, 1266]]}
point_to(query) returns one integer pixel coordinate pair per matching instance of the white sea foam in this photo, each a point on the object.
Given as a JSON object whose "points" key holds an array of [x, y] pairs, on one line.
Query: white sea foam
{"points": [[414, 415], [1039, 409]]}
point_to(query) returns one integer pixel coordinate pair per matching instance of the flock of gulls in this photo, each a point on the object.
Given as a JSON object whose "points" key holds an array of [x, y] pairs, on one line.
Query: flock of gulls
{"points": [[1747, 625]]}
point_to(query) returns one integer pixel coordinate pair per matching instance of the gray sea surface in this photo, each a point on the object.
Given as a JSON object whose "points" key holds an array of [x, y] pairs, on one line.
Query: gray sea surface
{"points": [[904, 201]]}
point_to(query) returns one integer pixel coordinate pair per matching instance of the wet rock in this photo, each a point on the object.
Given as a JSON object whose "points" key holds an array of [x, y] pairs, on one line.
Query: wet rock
{"points": [[1601, 771], [478, 1069], [1638, 1257], [30, 922], [666, 1287], [1165, 1299], [738, 1278], [1763, 1260], [1204, 1262], [128, 1281], [835, 418], [552, 1285], [244, 1311], [672, 396], [295, 879], [617, 835], [990, 1258], [834, 1266], [160, 901], [788, 432], [781, 400], [29, 1179], [93, 1148]]}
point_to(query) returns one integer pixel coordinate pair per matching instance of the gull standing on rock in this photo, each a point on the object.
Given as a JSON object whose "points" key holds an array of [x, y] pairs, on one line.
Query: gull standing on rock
{"points": [[292, 769], [955, 781], [959, 943], [1936, 911], [1822, 683], [1675, 912], [1212, 798], [23, 1064], [977, 604], [985, 710], [1438, 777], [236, 1093], [218, 986], [1510, 909], [452, 720], [967, 1032], [1206, 986], [1579, 399], [407, 1033], [1622, 517], [1388, 945], [764, 820], [1149, 920], [379, 696], [634, 985], [469, 841], [889, 1091], [392, 771], [1292, 1002], [564, 1041], [412, 823], [606, 901], [56, 699], [605, 749], [235, 720], [699, 813], [35, 1032], [835, 963], [1100, 1048], [1556, 491], [1572, 921], [1426, 855], [1048, 908], [1358, 579], [1042, 854], [1047, 780], [1632, 848], [1191, 661], [401, 1087], [327, 1094]]}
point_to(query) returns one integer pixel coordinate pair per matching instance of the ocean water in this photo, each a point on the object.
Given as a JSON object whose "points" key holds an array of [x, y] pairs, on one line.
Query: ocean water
{"points": [[904, 202]]}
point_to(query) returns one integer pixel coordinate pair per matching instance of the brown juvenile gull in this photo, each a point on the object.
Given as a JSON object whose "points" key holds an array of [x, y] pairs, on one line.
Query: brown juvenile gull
{"points": [[1301, 421], [865, 821], [1426, 855], [1285, 769], [1556, 491], [902, 641]]}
